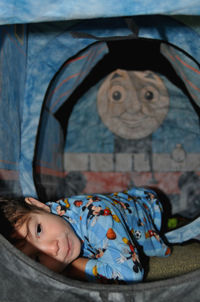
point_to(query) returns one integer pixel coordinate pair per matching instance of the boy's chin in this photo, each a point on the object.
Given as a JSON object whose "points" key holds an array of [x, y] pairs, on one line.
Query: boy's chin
{"points": [[59, 268]]}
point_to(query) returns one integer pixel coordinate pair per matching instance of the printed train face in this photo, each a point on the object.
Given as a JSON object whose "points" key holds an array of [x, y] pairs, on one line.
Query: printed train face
{"points": [[132, 104]]}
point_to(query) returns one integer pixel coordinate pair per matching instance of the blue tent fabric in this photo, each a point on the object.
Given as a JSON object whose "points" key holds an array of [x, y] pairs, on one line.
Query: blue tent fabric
{"points": [[186, 68], [77, 70], [13, 73], [25, 11], [51, 38], [45, 68]]}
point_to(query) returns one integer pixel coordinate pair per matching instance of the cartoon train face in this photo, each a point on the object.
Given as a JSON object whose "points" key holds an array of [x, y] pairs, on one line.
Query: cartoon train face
{"points": [[132, 104]]}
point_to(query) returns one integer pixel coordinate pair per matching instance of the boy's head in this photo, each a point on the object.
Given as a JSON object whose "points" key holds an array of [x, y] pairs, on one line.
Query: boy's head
{"points": [[45, 237]]}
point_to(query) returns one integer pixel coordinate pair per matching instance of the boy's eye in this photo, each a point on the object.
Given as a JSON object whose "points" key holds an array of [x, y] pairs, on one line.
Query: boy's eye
{"points": [[39, 229]]}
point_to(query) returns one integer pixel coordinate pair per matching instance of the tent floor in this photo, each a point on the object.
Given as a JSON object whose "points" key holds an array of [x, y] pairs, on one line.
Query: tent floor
{"points": [[184, 259]]}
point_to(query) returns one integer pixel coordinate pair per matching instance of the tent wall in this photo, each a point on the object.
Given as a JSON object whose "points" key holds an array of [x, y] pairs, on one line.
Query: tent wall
{"points": [[28, 11], [57, 40], [12, 81]]}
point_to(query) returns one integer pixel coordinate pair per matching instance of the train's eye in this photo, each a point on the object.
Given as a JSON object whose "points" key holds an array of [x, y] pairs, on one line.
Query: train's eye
{"points": [[149, 95], [117, 94]]}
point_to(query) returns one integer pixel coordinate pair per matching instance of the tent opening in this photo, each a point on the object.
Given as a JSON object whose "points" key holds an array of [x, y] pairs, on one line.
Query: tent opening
{"points": [[82, 146]]}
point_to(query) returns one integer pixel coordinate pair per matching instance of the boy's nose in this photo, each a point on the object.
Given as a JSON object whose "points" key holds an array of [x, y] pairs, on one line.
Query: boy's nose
{"points": [[51, 248]]}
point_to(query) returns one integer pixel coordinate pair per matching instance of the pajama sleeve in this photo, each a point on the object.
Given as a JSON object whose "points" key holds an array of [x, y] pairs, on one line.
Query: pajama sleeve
{"points": [[115, 257], [121, 269]]}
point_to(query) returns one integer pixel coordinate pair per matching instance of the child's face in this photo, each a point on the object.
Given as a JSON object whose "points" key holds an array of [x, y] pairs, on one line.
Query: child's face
{"points": [[49, 240]]}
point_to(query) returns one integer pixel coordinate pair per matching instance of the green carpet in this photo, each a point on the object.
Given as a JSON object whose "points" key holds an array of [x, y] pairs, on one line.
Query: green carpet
{"points": [[184, 259]]}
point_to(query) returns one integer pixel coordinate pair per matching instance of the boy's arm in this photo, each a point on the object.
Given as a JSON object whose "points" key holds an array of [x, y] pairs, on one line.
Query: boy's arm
{"points": [[76, 269]]}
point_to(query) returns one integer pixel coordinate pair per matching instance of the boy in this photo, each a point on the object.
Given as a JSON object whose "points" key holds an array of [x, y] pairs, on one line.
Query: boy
{"points": [[102, 237]]}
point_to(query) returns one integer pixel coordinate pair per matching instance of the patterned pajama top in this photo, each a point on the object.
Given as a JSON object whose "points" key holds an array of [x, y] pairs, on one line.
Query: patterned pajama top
{"points": [[115, 230]]}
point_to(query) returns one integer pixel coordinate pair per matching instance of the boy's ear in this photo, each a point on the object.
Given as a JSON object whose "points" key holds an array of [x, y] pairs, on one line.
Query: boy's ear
{"points": [[37, 203]]}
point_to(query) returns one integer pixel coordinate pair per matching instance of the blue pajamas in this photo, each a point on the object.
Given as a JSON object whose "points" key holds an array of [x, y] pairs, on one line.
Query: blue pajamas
{"points": [[113, 228]]}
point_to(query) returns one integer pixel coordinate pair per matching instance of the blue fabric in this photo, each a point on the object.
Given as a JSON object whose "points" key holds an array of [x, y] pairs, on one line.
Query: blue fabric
{"points": [[31, 58], [72, 74], [29, 11], [12, 75], [111, 227], [57, 41], [185, 233]]}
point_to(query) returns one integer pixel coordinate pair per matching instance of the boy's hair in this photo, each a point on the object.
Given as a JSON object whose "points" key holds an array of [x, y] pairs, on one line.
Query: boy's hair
{"points": [[13, 214]]}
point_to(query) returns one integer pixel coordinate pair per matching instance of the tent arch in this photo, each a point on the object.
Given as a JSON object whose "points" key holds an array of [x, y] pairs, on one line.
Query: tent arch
{"points": [[83, 70]]}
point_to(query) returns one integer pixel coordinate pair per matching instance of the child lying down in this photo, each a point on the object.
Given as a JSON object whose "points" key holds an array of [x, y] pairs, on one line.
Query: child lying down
{"points": [[103, 238]]}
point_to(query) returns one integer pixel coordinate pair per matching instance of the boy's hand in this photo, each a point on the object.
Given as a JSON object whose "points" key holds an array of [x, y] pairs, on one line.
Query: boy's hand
{"points": [[76, 269]]}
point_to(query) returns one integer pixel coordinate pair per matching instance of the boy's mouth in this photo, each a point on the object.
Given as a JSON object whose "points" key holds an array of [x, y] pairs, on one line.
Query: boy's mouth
{"points": [[68, 249]]}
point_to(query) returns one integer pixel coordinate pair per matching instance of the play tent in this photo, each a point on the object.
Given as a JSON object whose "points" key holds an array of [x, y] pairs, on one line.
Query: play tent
{"points": [[68, 74]]}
